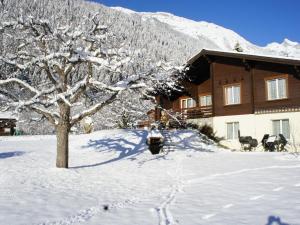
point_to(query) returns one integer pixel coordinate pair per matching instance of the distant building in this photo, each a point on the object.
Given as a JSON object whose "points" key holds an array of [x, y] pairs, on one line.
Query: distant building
{"points": [[7, 124], [147, 122], [235, 91]]}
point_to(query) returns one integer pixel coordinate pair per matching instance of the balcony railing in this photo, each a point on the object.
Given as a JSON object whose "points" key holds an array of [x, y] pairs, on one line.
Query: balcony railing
{"points": [[276, 109], [194, 113]]}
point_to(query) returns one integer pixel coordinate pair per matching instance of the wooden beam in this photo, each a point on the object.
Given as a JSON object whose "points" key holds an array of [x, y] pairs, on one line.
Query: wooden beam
{"points": [[246, 64], [208, 59], [191, 66], [297, 69], [252, 90], [211, 71]]}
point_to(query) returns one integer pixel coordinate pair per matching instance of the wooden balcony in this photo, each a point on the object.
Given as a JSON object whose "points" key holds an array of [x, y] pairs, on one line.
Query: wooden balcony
{"points": [[193, 113]]}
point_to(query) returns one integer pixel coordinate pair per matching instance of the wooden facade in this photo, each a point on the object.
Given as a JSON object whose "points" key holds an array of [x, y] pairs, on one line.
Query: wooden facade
{"points": [[211, 72]]}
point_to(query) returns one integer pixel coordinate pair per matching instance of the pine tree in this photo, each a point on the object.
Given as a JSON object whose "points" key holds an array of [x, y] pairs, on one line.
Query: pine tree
{"points": [[238, 47]]}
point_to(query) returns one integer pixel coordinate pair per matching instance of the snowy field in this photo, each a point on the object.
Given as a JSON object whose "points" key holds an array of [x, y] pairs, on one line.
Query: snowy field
{"points": [[114, 179]]}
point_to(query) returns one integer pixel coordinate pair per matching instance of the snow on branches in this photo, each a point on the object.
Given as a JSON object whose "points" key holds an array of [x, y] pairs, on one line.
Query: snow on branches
{"points": [[62, 62], [54, 65]]}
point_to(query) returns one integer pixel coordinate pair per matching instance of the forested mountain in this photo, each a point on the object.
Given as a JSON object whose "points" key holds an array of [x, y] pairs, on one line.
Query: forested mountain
{"points": [[213, 36]]}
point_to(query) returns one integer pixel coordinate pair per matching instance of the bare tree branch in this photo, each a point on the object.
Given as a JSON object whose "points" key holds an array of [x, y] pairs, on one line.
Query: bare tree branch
{"points": [[20, 82], [94, 109]]}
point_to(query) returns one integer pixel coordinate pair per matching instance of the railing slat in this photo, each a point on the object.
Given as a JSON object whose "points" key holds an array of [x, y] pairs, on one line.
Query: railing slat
{"points": [[194, 112]]}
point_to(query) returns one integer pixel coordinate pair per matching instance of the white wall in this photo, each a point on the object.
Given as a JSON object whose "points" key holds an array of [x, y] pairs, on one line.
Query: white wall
{"points": [[246, 125], [202, 122], [256, 125]]}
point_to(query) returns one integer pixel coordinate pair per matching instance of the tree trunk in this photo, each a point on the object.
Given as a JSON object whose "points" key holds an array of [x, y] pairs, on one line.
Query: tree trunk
{"points": [[62, 157], [62, 136]]}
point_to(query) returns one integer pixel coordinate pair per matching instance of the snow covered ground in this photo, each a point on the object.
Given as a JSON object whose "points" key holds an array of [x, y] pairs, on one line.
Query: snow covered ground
{"points": [[114, 179]]}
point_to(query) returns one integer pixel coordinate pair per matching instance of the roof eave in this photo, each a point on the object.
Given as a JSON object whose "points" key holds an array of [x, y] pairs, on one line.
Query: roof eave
{"points": [[261, 58]]}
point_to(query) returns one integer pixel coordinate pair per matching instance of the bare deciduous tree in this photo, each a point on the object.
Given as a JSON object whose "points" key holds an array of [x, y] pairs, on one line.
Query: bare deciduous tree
{"points": [[55, 66]]}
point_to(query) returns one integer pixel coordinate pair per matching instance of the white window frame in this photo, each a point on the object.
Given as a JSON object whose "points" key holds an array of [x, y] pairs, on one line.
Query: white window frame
{"points": [[281, 127], [235, 126], [277, 97], [233, 101], [206, 98], [186, 101]]}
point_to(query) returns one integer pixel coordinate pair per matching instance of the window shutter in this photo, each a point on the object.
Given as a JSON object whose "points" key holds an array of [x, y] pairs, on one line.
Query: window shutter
{"points": [[237, 94], [286, 128], [276, 127], [202, 101], [281, 88], [183, 103], [208, 102], [229, 95], [229, 130], [236, 129], [272, 89]]}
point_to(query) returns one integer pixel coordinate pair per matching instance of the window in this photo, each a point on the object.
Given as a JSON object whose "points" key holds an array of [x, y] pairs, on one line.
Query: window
{"points": [[281, 127], [276, 88], [188, 103], [232, 130], [233, 94], [205, 100]]}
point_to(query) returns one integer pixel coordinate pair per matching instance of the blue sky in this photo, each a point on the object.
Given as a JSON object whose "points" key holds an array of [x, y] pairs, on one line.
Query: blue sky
{"points": [[259, 21]]}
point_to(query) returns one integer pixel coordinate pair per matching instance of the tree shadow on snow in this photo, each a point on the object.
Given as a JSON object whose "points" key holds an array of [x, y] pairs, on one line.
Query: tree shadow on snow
{"points": [[4, 155], [125, 148], [274, 220], [187, 144]]}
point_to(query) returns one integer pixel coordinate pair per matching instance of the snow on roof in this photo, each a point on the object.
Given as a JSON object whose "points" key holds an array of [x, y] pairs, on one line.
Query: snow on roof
{"points": [[259, 57]]}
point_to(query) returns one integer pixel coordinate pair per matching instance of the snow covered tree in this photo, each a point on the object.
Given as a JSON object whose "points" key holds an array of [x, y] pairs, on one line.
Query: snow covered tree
{"points": [[125, 120], [55, 66]]}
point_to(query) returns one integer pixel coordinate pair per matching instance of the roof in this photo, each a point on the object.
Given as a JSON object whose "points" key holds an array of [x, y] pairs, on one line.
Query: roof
{"points": [[244, 56]]}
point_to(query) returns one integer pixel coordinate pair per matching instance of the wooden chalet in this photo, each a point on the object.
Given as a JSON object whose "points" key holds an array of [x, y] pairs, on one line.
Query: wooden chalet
{"points": [[235, 91]]}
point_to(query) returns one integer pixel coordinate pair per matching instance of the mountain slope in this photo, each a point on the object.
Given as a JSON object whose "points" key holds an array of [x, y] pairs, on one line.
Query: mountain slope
{"points": [[213, 36], [287, 48]]}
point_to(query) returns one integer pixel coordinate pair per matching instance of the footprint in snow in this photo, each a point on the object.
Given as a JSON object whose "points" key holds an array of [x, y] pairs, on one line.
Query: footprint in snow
{"points": [[227, 206], [278, 189], [256, 197], [208, 216]]}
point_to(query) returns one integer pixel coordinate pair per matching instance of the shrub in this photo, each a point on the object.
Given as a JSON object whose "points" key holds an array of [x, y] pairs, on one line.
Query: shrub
{"points": [[192, 126], [209, 132]]}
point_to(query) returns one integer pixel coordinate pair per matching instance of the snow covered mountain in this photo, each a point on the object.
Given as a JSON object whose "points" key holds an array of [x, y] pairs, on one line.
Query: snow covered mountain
{"points": [[217, 37], [287, 48]]}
